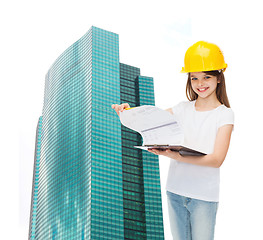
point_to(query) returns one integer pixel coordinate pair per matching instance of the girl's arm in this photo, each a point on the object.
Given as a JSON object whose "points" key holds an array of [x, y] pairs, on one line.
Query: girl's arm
{"points": [[169, 110], [211, 160], [121, 107]]}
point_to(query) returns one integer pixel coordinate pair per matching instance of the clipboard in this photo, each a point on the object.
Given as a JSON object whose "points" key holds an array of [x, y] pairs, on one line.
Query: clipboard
{"points": [[184, 151]]}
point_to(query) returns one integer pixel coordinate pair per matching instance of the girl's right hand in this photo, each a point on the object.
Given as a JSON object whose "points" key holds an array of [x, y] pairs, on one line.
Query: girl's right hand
{"points": [[120, 107]]}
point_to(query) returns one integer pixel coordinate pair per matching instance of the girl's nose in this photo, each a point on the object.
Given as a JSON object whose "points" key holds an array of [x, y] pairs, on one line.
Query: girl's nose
{"points": [[200, 82]]}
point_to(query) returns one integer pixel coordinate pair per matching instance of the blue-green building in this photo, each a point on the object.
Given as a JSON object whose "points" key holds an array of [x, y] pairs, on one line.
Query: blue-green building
{"points": [[89, 181]]}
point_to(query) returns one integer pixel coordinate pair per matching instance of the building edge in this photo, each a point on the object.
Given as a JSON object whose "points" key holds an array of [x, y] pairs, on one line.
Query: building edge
{"points": [[35, 175]]}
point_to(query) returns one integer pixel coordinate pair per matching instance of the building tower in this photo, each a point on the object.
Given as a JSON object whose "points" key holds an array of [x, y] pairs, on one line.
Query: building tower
{"points": [[89, 181]]}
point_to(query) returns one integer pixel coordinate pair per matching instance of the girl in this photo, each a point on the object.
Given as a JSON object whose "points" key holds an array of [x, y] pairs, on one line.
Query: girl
{"points": [[207, 121]]}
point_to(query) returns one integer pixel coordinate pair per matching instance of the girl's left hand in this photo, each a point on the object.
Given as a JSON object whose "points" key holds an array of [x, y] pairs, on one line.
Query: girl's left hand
{"points": [[167, 153]]}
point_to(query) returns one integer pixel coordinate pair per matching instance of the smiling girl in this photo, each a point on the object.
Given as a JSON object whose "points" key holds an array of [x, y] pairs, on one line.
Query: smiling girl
{"points": [[207, 121]]}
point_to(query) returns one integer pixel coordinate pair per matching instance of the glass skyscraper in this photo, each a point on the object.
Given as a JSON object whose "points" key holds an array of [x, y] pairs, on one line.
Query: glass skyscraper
{"points": [[89, 181]]}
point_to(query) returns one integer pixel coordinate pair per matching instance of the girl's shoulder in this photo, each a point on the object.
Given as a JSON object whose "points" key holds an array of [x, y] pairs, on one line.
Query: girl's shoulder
{"points": [[184, 104], [181, 106], [226, 110], [225, 116]]}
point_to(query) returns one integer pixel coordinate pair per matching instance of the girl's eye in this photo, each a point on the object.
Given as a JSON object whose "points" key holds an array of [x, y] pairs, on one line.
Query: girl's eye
{"points": [[193, 78], [207, 77]]}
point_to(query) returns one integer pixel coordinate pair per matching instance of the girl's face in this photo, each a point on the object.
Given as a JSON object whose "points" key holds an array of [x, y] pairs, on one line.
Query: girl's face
{"points": [[204, 85]]}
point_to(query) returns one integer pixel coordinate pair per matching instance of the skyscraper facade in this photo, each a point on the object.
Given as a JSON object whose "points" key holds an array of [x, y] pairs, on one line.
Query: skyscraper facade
{"points": [[89, 181]]}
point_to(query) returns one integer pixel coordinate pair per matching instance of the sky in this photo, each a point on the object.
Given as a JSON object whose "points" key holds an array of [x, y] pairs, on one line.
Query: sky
{"points": [[154, 36]]}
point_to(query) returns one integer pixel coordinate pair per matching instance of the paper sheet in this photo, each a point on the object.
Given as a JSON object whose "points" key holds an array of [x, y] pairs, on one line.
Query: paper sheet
{"points": [[156, 125]]}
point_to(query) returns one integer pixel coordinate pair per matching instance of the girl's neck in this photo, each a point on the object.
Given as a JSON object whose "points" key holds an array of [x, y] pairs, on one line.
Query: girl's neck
{"points": [[206, 104]]}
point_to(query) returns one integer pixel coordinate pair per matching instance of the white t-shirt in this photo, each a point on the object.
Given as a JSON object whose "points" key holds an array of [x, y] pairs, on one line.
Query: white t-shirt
{"points": [[200, 130]]}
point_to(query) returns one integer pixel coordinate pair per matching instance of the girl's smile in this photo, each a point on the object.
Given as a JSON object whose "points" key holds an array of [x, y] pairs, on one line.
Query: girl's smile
{"points": [[202, 89]]}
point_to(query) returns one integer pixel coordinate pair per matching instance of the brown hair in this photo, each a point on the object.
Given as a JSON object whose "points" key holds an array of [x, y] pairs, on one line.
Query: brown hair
{"points": [[220, 90]]}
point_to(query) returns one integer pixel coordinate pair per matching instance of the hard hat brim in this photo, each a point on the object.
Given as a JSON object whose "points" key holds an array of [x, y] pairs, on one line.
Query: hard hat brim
{"points": [[204, 70]]}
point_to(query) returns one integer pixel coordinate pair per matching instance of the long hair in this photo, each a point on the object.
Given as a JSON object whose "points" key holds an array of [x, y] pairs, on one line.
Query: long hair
{"points": [[220, 90]]}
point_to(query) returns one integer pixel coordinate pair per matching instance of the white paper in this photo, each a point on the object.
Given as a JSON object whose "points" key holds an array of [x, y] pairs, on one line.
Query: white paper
{"points": [[156, 126]]}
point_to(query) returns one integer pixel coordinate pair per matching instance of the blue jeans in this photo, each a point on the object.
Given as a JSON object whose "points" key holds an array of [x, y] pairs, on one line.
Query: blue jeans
{"points": [[191, 219]]}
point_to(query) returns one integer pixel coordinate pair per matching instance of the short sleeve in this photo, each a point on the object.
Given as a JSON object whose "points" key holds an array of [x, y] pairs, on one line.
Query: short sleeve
{"points": [[177, 109], [226, 117]]}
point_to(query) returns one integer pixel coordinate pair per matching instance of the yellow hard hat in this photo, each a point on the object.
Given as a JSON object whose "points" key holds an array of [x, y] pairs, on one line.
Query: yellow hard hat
{"points": [[203, 56]]}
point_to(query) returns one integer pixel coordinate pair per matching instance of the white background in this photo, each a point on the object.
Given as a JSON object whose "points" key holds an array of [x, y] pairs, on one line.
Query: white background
{"points": [[154, 36]]}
